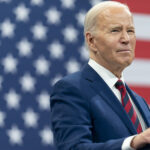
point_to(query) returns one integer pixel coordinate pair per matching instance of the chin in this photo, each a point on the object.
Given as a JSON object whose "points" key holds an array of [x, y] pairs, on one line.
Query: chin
{"points": [[127, 61], [126, 64]]}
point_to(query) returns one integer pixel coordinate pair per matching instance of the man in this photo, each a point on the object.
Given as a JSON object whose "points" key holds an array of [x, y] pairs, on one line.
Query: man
{"points": [[94, 109]]}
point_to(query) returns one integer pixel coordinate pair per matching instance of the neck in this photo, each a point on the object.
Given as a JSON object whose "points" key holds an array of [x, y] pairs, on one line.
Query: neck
{"points": [[117, 71]]}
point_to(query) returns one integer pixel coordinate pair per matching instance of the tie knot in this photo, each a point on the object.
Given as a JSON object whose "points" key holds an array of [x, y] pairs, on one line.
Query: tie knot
{"points": [[119, 85]]}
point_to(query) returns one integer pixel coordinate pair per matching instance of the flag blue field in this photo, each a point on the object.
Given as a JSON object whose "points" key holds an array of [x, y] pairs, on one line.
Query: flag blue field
{"points": [[40, 42]]}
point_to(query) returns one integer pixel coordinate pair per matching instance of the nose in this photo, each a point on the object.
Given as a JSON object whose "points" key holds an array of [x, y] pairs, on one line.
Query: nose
{"points": [[124, 37]]}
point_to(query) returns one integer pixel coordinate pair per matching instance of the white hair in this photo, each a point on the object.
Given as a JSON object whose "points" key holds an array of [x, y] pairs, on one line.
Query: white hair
{"points": [[90, 22]]}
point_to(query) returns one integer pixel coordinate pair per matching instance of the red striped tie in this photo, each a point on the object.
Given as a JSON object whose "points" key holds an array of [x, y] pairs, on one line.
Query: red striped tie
{"points": [[128, 106]]}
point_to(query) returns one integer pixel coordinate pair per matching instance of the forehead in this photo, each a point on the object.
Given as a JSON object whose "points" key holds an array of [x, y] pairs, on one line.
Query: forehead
{"points": [[115, 15]]}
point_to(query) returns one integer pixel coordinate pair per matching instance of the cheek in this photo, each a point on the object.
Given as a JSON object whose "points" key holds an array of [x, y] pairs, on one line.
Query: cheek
{"points": [[133, 41], [133, 44], [107, 46], [112, 43]]}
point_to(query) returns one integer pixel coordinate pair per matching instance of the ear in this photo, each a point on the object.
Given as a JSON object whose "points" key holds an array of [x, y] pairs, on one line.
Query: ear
{"points": [[90, 39]]}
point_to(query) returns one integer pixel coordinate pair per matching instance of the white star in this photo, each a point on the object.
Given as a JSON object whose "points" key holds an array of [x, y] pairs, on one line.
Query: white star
{"points": [[24, 47], [2, 117], [55, 79], [44, 100], [56, 50], [22, 13], [6, 1], [30, 118], [15, 135], [37, 2], [12, 99], [68, 3], [84, 53], [80, 17], [42, 66], [27, 82], [1, 80], [53, 16], [46, 136], [7, 29], [39, 31], [70, 34], [94, 2], [72, 66], [10, 64]]}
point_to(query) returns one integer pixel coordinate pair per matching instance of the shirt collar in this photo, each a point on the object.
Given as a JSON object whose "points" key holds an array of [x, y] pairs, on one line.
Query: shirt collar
{"points": [[105, 74]]}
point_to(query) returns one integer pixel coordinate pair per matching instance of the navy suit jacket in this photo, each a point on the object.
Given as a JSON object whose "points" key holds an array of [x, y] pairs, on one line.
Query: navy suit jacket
{"points": [[86, 115]]}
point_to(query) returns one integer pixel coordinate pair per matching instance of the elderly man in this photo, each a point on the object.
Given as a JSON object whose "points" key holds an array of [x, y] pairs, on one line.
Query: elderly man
{"points": [[94, 109]]}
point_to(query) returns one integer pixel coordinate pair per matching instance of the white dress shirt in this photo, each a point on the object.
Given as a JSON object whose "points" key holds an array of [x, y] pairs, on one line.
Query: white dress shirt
{"points": [[110, 80]]}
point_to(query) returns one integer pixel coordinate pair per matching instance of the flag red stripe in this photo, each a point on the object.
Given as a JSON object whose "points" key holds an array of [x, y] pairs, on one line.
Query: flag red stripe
{"points": [[135, 6], [142, 91], [142, 49]]}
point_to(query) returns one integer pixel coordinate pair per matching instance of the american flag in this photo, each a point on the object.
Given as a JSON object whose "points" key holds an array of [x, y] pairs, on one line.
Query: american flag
{"points": [[40, 42]]}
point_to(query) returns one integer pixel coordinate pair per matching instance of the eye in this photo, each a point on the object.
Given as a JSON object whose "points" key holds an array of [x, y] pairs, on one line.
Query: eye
{"points": [[115, 30], [132, 31]]}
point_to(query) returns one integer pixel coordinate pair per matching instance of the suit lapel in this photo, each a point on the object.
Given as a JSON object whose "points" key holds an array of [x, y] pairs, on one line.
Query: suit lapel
{"points": [[104, 91]]}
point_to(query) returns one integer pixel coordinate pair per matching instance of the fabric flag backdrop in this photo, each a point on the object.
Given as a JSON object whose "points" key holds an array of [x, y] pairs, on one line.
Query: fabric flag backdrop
{"points": [[40, 42]]}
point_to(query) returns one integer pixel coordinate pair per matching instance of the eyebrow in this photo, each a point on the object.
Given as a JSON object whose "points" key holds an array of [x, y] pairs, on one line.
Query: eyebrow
{"points": [[120, 27]]}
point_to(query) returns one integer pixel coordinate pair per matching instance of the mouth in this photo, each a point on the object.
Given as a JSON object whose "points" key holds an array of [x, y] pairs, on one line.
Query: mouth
{"points": [[124, 51]]}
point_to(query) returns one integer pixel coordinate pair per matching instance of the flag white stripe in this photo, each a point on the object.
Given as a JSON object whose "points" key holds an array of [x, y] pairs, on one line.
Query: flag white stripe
{"points": [[138, 73], [142, 26]]}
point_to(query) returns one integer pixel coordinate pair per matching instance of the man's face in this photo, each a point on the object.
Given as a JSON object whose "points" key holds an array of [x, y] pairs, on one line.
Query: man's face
{"points": [[114, 41]]}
